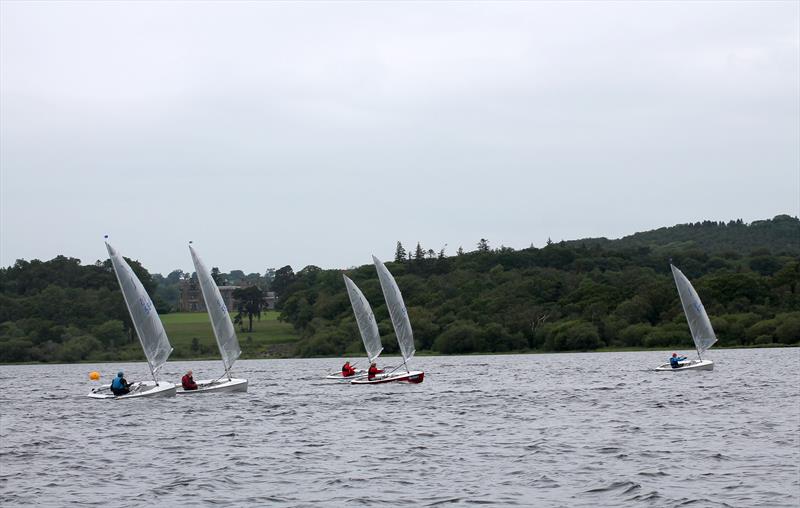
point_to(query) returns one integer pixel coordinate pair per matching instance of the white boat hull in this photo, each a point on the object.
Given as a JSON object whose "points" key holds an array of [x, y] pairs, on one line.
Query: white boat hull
{"points": [[337, 376], [138, 390], [415, 376], [216, 386], [692, 365]]}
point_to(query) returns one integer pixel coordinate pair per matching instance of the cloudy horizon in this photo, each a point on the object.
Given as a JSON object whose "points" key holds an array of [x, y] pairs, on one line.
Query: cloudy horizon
{"points": [[321, 133]]}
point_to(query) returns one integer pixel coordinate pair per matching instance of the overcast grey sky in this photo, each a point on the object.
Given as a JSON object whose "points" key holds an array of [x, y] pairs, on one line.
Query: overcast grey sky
{"points": [[321, 133]]}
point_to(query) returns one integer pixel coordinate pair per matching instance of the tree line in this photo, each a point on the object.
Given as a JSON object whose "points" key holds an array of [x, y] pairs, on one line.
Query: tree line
{"points": [[63, 311], [565, 296]]}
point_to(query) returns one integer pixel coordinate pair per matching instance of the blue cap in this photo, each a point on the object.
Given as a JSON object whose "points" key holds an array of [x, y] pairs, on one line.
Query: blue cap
{"points": [[120, 374]]}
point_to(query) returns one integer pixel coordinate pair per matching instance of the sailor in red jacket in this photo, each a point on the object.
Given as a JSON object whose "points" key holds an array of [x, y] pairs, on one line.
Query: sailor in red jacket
{"points": [[187, 381], [348, 370], [373, 371]]}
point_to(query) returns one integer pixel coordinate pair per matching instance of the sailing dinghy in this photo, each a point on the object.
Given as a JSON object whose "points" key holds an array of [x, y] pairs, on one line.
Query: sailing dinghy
{"points": [[367, 327], [699, 325], [148, 328], [402, 328], [223, 331]]}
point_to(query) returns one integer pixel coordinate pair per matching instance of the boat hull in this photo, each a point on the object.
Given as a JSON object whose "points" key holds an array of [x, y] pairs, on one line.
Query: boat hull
{"points": [[693, 365], [415, 376], [207, 386], [138, 390], [337, 376]]}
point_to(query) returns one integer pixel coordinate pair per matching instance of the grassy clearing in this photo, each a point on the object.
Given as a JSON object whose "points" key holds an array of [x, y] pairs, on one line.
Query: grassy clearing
{"points": [[269, 337]]}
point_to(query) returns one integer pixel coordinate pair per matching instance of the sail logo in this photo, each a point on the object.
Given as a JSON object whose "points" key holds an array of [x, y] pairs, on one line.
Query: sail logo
{"points": [[697, 306], [146, 304]]}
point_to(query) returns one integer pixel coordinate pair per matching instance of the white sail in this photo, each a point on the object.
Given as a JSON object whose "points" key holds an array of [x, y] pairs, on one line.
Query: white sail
{"points": [[218, 313], [365, 320], [397, 310], [699, 324], [143, 313]]}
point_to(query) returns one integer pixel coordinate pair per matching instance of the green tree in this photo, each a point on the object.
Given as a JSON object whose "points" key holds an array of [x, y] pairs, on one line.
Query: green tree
{"points": [[419, 253], [788, 276], [236, 277], [15, 350], [573, 335], [218, 280], [174, 276], [635, 310], [249, 303], [788, 329], [110, 332], [459, 338], [269, 276], [284, 278], [765, 264], [399, 253]]}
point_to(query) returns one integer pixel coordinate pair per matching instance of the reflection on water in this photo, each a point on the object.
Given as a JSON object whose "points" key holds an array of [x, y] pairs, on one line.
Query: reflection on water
{"points": [[549, 430]]}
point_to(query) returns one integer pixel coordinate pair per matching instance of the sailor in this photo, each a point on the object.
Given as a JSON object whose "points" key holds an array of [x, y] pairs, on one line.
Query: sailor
{"points": [[373, 371], [187, 381], [676, 360], [119, 386], [347, 369]]}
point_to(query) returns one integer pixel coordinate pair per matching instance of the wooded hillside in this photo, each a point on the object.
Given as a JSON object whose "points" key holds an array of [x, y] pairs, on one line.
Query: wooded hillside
{"points": [[578, 295]]}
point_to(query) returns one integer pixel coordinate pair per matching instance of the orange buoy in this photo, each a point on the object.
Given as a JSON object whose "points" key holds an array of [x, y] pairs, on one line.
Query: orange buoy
{"points": [[94, 375]]}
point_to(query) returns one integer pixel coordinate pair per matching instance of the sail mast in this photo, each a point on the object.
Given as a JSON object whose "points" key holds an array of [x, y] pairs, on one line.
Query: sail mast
{"points": [[227, 343], [696, 316], [397, 311], [146, 322], [365, 320]]}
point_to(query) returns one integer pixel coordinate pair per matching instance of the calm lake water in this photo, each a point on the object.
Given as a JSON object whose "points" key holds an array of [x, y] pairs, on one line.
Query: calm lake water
{"points": [[544, 430]]}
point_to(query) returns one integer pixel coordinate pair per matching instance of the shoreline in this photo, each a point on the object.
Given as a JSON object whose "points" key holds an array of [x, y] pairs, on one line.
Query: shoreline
{"points": [[424, 354]]}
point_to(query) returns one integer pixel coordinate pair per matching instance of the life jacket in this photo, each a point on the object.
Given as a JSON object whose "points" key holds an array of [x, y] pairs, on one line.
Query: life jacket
{"points": [[117, 384], [674, 363], [372, 372]]}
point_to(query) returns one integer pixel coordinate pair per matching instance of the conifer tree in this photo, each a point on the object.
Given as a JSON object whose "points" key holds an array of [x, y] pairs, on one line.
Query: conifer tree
{"points": [[399, 253], [419, 253]]}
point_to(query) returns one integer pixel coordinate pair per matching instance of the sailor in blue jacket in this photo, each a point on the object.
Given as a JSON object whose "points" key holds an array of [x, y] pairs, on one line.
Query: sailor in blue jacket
{"points": [[676, 360], [120, 386]]}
